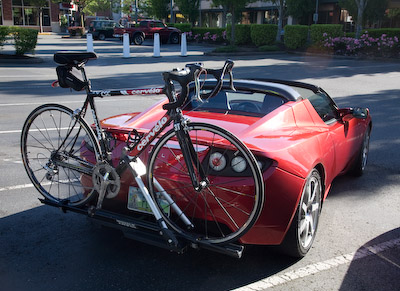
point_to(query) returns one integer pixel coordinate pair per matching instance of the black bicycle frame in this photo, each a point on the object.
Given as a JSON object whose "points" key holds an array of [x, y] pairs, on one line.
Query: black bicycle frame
{"points": [[171, 116]]}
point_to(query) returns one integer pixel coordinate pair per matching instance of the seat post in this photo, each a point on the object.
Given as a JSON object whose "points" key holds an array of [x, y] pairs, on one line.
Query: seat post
{"points": [[85, 78]]}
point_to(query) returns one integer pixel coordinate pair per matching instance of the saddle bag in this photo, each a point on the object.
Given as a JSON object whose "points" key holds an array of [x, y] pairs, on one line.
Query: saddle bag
{"points": [[68, 78]]}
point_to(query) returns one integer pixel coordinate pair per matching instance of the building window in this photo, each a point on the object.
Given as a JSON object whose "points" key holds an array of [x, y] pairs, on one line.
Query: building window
{"points": [[25, 13], [1, 13]]}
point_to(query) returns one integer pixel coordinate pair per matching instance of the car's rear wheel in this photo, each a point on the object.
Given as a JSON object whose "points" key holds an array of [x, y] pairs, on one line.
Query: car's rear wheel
{"points": [[231, 196], [174, 38], [102, 36], [302, 231], [137, 39], [361, 161]]}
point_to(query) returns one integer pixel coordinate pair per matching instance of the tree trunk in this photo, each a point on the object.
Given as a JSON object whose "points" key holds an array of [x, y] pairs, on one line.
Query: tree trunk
{"points": [[41, 19], [280, 21], [223, 16], [361, 4], [233, 27]]}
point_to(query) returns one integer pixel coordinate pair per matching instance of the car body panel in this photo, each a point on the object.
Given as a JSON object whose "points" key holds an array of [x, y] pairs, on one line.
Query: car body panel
{"points": [[293, 136]]}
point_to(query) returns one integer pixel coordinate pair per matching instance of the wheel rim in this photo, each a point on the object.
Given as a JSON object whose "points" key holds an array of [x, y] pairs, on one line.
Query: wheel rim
{"points": [[224, 209], [138, 39], [174, 39], [309, 209], [58, 175]]}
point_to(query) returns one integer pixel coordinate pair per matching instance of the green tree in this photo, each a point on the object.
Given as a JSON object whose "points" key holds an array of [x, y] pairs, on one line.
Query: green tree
{"points": [[302, 10], [158, 8], [233, 7], [94, 6], [189, 8], [365, 10]]}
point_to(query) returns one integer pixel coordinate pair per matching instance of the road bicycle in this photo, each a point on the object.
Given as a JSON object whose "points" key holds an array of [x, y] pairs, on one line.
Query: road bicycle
{"points": [[70, 162]]}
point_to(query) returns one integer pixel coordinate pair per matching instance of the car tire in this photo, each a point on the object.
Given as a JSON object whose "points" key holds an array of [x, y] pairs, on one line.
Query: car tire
{"points": [[102, 36], [360, 163], [302, 231], [137, 39], [174, 38]]}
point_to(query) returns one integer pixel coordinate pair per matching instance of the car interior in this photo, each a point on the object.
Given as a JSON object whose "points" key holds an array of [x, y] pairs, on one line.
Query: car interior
{"points": [[238, 103]]}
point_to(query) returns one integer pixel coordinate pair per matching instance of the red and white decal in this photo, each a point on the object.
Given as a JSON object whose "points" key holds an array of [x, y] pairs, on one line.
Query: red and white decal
{"points": [[149, 91]]}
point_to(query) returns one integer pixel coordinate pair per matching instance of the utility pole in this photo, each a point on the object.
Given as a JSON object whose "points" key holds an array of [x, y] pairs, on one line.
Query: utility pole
{"points": [[172, 19]]}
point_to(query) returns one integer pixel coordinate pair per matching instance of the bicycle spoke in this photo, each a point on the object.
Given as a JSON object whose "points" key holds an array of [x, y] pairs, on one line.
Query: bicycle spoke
{"points": [[223, 207]]}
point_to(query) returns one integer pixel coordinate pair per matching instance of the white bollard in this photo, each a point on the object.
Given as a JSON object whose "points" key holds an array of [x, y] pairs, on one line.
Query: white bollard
{"points": [[156, 46], [126, 50], [89, 45], [183, 45]]}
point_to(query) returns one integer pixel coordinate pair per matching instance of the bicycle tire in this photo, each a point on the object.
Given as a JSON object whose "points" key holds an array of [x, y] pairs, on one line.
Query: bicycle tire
{"points": [[228, 206], [59, 151]]}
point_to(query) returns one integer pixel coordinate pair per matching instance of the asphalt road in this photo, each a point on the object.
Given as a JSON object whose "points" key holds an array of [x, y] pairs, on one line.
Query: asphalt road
{"points": [[358, 242]]}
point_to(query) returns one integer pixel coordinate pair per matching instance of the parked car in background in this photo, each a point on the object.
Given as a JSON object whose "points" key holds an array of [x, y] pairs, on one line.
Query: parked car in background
{"points": [[102, 29], [147, 29]]}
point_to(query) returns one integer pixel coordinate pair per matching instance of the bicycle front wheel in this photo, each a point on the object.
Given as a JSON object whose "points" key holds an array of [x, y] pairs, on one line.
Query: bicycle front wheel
{"points": [[231, 197], [59, 152]]}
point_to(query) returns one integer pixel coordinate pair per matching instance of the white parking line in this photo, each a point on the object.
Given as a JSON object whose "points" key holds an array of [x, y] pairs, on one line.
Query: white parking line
{"points": [[16, 187], [19, 130], [321, 266]]}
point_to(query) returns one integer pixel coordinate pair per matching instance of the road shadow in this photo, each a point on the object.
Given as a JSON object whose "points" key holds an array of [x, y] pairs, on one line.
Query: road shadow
{"points": [[380, 271], [44, 249]]}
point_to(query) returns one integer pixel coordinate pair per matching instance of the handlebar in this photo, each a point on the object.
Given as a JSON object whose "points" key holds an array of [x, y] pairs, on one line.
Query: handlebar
{"points": [[189, 74]]}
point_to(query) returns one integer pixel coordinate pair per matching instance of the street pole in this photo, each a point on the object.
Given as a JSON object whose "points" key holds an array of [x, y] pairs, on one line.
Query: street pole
{"points": [[316, 13], [172, 11], [136, 11]]}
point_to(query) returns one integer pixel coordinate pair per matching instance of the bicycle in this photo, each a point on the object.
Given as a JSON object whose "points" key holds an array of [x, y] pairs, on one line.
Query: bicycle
{"points": [[70, 162]]}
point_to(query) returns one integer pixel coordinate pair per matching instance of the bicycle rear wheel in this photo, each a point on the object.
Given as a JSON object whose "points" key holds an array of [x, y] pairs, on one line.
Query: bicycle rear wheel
{"points": [[59, 152], [231, 201]]}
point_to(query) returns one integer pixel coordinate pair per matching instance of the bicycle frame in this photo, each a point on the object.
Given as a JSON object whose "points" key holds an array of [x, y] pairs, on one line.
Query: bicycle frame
{"points": [[132, 160]]}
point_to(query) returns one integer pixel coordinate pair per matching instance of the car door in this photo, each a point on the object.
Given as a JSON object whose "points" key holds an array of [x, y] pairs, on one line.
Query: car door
{"points": [[160, 28], [345, 133]]}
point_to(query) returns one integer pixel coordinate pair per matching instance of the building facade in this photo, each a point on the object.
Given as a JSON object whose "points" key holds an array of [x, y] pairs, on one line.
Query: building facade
{"points": [[24, 13], [58, 15]]}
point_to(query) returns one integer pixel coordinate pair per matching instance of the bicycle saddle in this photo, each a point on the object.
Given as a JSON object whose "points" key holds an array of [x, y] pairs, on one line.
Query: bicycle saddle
{"points": [[73, 58]]}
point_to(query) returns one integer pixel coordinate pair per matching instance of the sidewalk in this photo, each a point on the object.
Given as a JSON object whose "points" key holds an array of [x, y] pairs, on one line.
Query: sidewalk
{"points": [[48, 44]]}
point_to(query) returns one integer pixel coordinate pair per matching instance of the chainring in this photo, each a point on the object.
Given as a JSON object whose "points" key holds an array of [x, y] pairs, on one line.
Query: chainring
{"points": [[104, 173]]}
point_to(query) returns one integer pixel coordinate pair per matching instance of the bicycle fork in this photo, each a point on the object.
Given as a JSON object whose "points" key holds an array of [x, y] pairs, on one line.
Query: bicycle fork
{"points": [[191, 159]]}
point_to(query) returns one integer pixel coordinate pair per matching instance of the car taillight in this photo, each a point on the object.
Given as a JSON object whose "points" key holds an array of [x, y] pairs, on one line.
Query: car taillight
{"points": [[217, 161], [238, 164]]}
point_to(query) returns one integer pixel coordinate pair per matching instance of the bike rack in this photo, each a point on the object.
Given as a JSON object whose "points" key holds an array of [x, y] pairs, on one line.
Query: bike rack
{"points": [[144, 231]]}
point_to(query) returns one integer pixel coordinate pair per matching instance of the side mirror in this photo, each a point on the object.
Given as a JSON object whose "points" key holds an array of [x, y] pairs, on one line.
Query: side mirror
{"points": [[357, 112], [361, 113]]}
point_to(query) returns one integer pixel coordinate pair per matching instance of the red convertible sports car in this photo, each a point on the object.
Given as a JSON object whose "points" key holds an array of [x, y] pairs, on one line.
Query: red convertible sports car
{"points": [[299, 136]]}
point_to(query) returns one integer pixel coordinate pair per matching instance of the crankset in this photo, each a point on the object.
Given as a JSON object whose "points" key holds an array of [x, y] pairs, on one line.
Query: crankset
{"points": [[106, 182]]}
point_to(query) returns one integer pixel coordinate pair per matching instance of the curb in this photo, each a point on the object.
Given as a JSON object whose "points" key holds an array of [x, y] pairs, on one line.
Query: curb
{"points": [[28, 60], [244, 53], [332, 56]]}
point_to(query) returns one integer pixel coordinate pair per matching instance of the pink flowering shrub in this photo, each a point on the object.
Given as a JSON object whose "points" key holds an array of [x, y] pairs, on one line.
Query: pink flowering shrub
{"points": [[207, 35], [365, 45]]}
